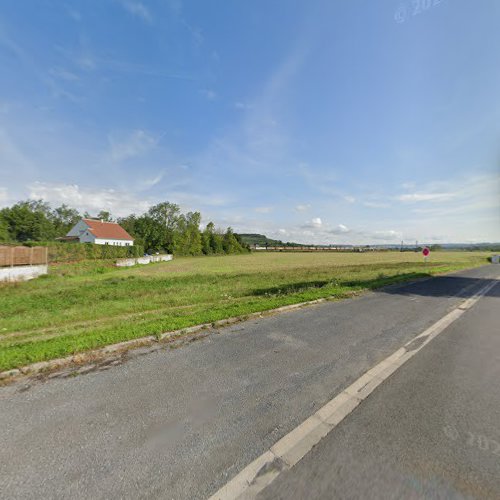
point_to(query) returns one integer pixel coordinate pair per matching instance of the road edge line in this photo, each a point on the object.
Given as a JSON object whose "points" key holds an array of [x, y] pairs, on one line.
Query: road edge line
{"points": [[292, 447]]}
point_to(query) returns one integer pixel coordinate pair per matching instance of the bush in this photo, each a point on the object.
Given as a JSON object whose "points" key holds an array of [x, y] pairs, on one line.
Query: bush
{"points": [[70, 252]]}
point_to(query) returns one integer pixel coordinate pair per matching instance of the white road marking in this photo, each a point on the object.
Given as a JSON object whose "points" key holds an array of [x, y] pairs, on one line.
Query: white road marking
{"points": [[291, 448]]}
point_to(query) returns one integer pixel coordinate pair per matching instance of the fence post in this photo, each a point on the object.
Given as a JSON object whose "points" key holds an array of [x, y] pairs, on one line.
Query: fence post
{"points": [[31, 256], [46, 255], [12, 257]]}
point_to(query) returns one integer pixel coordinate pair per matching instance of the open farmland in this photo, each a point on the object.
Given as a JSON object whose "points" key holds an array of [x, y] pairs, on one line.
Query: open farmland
{"points": [[86, 305]]}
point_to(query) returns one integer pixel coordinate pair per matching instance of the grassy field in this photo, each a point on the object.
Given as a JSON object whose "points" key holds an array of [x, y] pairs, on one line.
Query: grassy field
{"points": [[86, 305]]}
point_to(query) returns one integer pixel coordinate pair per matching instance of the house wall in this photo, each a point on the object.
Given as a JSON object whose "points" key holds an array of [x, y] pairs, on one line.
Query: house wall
{"points": [[87, 237], [119, 243], [78, 229]]}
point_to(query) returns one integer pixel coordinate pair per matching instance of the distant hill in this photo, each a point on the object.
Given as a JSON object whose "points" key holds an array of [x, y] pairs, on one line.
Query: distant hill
{"points": [[262, 240]]}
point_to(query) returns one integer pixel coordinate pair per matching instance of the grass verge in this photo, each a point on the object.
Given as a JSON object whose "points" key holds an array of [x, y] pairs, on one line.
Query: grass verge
{"points": [[88, 305]]}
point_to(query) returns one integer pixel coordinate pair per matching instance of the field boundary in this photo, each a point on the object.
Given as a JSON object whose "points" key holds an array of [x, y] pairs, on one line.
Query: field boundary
{"points": [[100, 354], [111, 351]]}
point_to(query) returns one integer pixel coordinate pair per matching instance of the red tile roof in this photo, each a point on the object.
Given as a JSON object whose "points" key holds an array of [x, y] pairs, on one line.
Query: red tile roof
{"points": [[107, 230]]}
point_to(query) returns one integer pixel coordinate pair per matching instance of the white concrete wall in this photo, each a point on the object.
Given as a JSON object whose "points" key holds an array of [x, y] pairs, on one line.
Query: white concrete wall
{"points": [[22, 273], [143, 260], [119, 243]]}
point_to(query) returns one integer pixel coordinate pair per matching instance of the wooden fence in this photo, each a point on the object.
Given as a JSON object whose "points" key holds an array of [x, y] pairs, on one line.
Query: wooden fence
{"points": [[23, 256]]}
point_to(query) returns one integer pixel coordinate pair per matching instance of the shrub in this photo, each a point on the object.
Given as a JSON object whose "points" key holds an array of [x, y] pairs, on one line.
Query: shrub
{"points": [[70, 252]]}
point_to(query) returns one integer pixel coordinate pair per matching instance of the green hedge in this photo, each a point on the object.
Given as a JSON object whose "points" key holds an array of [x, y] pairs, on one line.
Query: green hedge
{"points": [[69, 251]]}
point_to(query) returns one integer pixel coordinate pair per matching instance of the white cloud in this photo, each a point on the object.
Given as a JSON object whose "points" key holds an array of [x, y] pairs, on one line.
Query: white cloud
{"points": [[302, 208], [314, 223], [386, 236], [137, 143], [137, 9], [119, 203], [340, 229]]}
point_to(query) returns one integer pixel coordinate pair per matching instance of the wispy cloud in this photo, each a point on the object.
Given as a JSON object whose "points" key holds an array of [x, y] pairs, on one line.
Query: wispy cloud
{"points": [[137, 143], [243, 105], [12, 157], [149, 183], [460, 195], [263, 210], [137, 9], [375, 204], [64, 74], [431, 197], [210, 94]]}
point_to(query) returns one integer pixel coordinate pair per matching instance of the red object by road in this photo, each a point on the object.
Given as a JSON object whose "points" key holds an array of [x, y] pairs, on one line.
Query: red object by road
{"points": [[426, 252]]}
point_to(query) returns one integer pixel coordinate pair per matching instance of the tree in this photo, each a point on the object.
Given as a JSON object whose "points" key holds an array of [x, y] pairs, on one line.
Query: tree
{"points": [[216, 238], [105, 216], [150, 232], [187, 236], [229, 243], [162, 228], [164, 219], [64, 218], [29, 220], [128, 223], [206, 238], [4, 230]]}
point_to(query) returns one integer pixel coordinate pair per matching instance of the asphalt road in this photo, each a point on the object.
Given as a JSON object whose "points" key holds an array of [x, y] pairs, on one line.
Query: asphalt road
{"points": [[179, 423], [430, 431]]}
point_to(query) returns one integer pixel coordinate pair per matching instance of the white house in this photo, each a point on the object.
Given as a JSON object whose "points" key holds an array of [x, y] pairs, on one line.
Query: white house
{"points": [[101, 233]]}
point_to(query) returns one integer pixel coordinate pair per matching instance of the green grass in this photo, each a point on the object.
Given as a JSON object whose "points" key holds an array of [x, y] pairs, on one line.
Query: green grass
{"points": [[87, 305]]}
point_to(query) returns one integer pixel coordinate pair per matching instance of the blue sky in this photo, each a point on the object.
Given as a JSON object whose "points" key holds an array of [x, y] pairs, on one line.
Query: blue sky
{"points": [[314, 121]]}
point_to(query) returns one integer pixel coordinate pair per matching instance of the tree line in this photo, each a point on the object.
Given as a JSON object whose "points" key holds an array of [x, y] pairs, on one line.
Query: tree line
{"points": [[163, 228]]}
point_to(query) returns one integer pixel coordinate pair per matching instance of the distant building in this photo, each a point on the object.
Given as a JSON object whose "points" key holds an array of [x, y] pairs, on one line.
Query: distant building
{"points": [[100, 232]]}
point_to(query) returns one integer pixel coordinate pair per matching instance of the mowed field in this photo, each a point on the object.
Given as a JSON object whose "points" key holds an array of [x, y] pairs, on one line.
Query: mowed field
{"points": [[87, 305]]}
